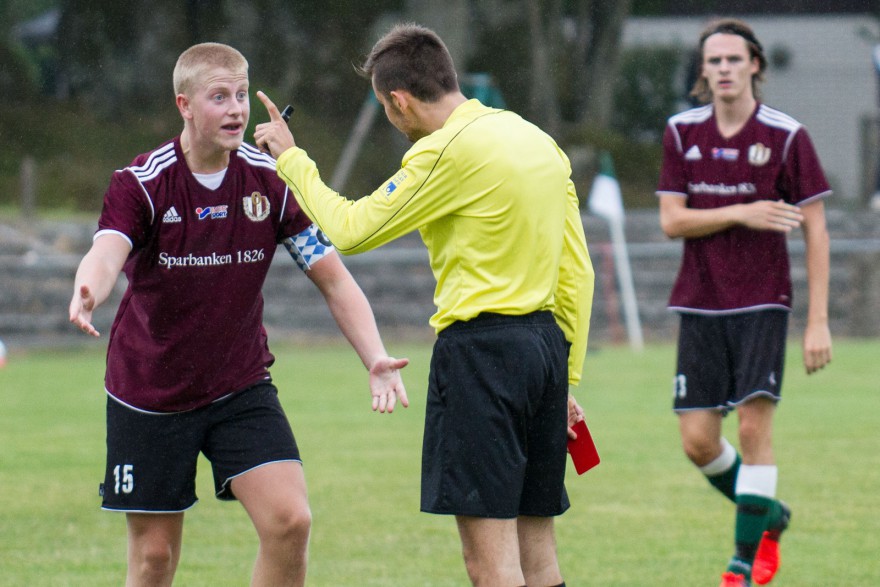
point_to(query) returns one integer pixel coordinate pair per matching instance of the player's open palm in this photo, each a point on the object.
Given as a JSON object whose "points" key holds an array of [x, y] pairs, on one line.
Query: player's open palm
{"points": [[386, 385], [81, 307]]}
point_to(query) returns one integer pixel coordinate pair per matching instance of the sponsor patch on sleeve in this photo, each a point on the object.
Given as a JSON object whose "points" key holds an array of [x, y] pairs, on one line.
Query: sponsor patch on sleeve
{"points": [[395, 183]]}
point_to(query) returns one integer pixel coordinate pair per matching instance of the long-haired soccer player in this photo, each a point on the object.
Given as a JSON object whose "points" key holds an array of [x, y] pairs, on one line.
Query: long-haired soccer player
{"points": [[737, 177]]}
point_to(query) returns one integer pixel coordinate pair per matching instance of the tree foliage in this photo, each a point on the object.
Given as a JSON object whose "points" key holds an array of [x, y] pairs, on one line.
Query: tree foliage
{"points": [[113, 54], [554, 61], [650, 87]]}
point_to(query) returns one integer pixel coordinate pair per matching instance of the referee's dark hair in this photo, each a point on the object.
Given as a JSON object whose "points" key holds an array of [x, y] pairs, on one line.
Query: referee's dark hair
{"points": [[730, 26], [413, 58]]}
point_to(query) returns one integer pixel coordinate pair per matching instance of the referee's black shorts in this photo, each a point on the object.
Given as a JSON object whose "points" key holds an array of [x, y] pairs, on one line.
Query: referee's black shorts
{"points": [[497, 418]]}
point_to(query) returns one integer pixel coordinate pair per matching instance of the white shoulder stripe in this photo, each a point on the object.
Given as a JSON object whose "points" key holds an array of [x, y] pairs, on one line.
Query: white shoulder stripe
{"points": [[158, 154], [158, 161], [253, 150], [253, 156], [692, 116], [154, 165], [777, 119]]}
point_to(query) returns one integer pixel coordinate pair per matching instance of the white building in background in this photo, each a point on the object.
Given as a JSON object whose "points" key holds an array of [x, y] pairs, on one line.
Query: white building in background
{"points": [[828, 82]]}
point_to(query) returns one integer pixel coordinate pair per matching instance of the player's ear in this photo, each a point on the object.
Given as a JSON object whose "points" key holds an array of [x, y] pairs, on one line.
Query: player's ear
{"points": [[183, 106], [756, 65]]}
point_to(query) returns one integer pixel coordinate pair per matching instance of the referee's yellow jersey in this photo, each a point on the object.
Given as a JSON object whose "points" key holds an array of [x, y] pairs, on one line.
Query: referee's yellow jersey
{"points": [[492, 197]]}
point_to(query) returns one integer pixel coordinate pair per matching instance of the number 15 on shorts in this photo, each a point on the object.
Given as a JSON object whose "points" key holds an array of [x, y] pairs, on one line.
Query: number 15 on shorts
{"points": [[124, 475]]}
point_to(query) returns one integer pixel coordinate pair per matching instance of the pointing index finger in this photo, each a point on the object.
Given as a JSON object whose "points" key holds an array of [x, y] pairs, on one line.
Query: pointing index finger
{"points": [[274, 114]]}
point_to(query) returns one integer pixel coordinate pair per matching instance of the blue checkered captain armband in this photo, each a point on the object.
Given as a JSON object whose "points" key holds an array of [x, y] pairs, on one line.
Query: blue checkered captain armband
{"points": [[308, 247]]}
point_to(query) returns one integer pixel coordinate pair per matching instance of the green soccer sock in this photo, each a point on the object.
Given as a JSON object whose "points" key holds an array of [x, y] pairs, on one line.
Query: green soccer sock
{"points": [[722, 472], [777, 519], [725, 482], [752, 515]]}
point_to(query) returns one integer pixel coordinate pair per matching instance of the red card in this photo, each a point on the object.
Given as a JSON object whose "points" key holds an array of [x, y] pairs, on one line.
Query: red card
{"points": [[583, 450]]}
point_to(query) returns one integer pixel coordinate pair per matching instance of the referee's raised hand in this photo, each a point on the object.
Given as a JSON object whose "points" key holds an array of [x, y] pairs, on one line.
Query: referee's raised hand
{"points": [[273, 137]]}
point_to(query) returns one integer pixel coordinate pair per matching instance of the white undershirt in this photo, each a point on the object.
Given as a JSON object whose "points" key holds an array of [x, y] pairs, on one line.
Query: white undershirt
{"points": [[211, 181]]}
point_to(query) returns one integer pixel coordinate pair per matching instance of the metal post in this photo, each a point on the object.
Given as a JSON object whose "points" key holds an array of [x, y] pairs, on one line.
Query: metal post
{"points": [[28, 187], [353, 146]]}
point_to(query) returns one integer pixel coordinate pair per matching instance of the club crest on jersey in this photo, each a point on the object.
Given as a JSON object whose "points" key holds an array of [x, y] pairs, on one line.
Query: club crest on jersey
{"points": [[759, 154], [256, 206], [725, 154]]}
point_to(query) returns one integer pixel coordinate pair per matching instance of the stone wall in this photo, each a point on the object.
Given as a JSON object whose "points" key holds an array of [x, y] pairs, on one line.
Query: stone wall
{"points": [[38, 261]]}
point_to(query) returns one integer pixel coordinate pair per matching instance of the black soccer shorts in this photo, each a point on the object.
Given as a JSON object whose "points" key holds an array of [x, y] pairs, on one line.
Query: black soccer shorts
{"points": [[151, 458], [497, 419], [726, 360]]}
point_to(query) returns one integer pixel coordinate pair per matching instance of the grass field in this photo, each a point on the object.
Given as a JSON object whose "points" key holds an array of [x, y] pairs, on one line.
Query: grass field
{"points": [[643, 517]]}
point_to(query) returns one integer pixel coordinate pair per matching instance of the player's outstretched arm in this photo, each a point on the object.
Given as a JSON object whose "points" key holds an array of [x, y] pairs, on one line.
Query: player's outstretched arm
{"points": [[353, 314], [386, 385], [95, 279]]}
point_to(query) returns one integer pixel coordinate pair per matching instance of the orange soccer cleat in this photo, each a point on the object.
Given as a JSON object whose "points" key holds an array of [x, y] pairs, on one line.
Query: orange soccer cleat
{"points": [[731, 579], [767, 557]]}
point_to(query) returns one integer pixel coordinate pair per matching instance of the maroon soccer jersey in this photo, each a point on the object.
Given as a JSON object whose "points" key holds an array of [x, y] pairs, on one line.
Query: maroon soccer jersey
{"points": [[771, 158], [189, 328]]}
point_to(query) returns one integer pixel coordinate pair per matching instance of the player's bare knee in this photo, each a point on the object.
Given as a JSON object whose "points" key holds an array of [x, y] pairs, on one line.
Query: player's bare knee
{"points": [[155, 564], [291, 527], [700, 449]]}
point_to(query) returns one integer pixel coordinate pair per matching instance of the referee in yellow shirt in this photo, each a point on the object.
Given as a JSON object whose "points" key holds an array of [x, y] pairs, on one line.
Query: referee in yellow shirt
{"points": [[492, 197]]}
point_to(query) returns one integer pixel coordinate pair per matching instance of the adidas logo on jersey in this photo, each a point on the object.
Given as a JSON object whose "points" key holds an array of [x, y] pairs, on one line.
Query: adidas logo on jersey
{"points": [[693, 154], [171, 216]]}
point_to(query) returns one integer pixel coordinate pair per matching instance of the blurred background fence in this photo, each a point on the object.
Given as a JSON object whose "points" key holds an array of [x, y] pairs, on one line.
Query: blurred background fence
{"points": [[87, 86], [38, 261]]}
